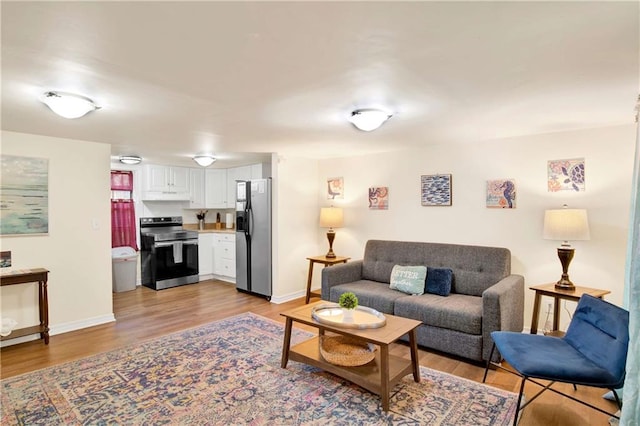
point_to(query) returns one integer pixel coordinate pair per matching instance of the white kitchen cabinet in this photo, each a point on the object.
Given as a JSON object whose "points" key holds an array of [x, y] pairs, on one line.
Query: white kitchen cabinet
{"points": [[224, 256], [165, 183], [234, 174], [205, 255], [216, 189], [196, 188], [256, 171]]}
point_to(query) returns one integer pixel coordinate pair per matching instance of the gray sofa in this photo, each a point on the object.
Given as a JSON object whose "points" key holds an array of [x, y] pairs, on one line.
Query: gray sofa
{"points": [[484, 296]]}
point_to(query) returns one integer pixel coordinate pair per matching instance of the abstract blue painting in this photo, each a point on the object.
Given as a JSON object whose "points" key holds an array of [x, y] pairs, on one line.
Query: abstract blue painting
{"points": [[435, 190], [24, 195]]}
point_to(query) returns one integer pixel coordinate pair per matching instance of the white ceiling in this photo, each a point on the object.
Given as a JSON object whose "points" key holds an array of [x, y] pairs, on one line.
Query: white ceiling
{"points": [[176, 78]]}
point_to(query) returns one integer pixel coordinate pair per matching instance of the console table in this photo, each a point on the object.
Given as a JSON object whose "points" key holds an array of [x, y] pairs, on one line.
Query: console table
{"points": [[326, 261], [25, 276]]}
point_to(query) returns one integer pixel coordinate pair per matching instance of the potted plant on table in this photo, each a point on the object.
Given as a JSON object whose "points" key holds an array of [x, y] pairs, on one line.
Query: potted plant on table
{"points": [[348, 302]]}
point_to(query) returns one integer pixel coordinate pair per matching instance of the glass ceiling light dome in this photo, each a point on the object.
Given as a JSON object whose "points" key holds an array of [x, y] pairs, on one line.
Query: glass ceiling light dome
{"points": [[368, 119], [204, 160], [130, 159], [68, 105]]}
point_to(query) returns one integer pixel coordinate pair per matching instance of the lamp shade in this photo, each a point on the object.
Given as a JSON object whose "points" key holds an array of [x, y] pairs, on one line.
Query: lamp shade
{"points": [[566, 225], [331, 217]]}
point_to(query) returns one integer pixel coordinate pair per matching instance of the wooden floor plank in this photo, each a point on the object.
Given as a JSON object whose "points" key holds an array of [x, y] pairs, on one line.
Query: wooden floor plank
{"points": [[145, 314]]}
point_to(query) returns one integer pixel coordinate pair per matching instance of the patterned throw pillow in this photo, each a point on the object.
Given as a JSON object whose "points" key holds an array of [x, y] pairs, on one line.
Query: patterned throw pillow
{"points": [[409, 279], [439, 281]]}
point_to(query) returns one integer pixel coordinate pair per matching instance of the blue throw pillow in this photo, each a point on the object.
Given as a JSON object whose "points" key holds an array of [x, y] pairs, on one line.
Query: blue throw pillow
{"points": [[439, 281], [408, 279]]}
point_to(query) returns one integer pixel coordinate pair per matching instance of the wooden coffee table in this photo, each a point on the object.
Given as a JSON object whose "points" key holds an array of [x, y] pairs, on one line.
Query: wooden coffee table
{"points": [[378, 376]]}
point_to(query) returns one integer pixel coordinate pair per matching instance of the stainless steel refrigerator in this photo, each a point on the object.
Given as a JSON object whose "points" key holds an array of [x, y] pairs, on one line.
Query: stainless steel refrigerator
{"points": [[253, 237]]}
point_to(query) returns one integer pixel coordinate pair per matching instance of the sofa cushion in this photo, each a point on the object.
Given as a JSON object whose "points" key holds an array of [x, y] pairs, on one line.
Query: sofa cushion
{"points": [[439, 281], [408, 279], [457, 312], [371, 294]]}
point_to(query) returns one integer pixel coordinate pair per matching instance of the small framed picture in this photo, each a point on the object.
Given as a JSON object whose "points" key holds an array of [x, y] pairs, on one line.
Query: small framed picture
{"points": [[435, 190], [379, 198], [501, 194], [566, 175], [335, 188]]}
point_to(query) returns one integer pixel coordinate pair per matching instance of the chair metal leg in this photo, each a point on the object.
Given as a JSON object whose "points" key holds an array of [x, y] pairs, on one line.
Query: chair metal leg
{"points": [[515, 418], [486, 370]]}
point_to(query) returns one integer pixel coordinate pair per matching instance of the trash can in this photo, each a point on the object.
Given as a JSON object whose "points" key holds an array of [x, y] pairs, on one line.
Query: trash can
{"points": [[124, 261]]}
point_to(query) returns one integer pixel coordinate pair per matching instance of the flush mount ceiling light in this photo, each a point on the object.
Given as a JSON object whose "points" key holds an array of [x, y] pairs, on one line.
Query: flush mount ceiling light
{"points": [[368, 119], [204, 160], [130, 159], [68, 105]]}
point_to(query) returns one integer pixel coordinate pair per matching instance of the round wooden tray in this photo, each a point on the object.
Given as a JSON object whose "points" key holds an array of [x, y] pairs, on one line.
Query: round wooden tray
{"points": [[363, 317], [346, 351]]}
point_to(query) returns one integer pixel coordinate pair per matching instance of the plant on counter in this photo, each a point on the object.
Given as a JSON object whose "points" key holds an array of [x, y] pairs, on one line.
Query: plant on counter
{"points": [[201, 214], [348, 300]]}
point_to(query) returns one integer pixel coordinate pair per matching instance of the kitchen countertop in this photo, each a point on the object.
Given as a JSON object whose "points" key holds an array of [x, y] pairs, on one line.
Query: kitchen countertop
{"points": [[209, 228]]}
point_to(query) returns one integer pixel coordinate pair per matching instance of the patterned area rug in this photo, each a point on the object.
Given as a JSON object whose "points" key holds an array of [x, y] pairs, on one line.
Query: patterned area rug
{"points": [[228, 373]]}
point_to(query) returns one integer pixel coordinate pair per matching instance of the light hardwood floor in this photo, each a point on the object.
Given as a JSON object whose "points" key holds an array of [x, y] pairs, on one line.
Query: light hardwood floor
{"points": [[143, 314]]}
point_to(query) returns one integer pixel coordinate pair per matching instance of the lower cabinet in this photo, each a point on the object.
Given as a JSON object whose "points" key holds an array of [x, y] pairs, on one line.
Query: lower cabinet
{"points": [[205, 255], [224, 256]]}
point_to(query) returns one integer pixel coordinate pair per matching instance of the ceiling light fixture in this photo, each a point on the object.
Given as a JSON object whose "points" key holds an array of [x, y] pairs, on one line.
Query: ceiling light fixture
{"points": [[204, 160], [130, 159], [68, 105], [368, 119]]}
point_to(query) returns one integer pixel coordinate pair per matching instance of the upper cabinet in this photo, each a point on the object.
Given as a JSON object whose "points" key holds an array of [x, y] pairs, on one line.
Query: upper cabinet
{"points": [[235, 174], [196, 189], [165, 183], [215, 186]]}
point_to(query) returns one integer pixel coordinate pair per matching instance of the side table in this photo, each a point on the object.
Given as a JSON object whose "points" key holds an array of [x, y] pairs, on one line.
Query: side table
{"points": [[558, 294], [38, 275], [326, 261]]}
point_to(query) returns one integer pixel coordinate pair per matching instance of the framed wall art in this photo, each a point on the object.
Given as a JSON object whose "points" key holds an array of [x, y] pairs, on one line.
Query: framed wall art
{"points": [[566, 175], [435, 190], [335, 188], [379, 198], [501, 194], [24, 199]]}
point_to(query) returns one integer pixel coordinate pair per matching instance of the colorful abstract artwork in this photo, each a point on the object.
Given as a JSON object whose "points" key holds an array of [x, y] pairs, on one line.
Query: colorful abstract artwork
{"points": [[566, 175], [435, 190], [501, 194], [335, 188], [379, 198], [24, 199]]}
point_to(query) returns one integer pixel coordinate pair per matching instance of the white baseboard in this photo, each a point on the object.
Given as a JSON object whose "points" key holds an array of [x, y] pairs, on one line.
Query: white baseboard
{"points": [[288, 297], [62, 328]]}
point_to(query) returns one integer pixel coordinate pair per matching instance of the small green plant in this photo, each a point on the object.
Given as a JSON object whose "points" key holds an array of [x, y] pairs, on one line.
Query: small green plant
{"points": [[348, 300]]}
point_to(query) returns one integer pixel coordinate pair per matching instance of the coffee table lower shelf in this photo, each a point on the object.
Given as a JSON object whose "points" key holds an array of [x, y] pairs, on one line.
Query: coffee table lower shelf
{"points": [[367, 376]]}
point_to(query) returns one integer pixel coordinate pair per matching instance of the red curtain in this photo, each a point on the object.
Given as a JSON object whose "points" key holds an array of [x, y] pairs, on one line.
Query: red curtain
{"points": [[123, 215]]}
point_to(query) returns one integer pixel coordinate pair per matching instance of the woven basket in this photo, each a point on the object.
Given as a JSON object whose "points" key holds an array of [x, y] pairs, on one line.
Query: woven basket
{"points": [[346, 351]]}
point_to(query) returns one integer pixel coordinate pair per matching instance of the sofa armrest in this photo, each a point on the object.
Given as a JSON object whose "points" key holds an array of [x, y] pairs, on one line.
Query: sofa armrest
{"points": [[340, 274], [502, 309]]}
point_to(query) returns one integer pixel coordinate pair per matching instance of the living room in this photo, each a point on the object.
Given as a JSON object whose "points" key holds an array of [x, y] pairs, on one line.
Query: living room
{"points": [[80, 282]]}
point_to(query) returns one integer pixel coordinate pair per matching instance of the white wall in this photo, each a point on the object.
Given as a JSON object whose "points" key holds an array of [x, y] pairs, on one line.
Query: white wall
{"points": [[295, 219], [77, 254], [599, 262]]}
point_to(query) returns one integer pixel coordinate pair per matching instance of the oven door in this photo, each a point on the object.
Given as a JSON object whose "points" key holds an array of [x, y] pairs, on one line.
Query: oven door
{"points": [[176, 263]]}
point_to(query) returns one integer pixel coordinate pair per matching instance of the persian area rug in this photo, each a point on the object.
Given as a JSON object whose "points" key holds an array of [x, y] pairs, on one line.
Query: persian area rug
{"points": [[228, 373]]}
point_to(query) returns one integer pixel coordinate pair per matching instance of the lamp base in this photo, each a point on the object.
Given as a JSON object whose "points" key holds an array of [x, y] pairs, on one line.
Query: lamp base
{"points": [[565, 255], [331, 235]]}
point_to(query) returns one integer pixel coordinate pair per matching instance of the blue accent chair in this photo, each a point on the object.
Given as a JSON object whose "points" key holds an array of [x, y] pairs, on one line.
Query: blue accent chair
{"points": [[593, 352]]}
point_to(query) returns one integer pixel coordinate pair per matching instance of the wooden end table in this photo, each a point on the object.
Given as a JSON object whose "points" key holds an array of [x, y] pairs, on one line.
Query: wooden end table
{"points": [[326, 261], [378, 376], [558, 294], [25, 276]]}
